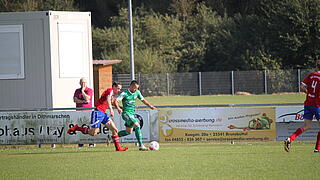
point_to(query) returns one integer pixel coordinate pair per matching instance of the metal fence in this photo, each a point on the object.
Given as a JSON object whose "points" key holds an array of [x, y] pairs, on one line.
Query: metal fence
{"points": [[219, 82]]}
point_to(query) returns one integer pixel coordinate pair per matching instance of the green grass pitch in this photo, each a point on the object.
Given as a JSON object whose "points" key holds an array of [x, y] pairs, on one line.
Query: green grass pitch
{"points": [[264, 160], [242, 160]]}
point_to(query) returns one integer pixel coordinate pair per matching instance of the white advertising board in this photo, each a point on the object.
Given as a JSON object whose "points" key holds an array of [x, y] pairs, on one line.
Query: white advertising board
{"points": [[51, 127]]}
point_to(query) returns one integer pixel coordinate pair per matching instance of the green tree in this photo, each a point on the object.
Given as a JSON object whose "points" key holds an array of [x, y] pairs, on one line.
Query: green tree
{"points": [[154, 37], [196, 32], [279, 34], [183, 8], [292, 30], [37, 5]]}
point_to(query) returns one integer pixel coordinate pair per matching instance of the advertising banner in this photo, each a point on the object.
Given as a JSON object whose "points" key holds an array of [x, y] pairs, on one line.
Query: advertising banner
{"points": [[51, 127], [216, 124], [166, 125]]}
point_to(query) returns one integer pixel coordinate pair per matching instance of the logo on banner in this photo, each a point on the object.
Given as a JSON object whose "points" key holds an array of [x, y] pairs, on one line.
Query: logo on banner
{"points": [[165, 127], [260, 123], [298, 116], [140, 120]]}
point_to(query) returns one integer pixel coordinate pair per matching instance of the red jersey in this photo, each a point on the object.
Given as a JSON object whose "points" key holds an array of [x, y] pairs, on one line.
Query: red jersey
{"points": [[312, 81], [102, 104], [78, 94]]}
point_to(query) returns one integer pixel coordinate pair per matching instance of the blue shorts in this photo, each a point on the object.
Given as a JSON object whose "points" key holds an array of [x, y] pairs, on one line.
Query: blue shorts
{"points": [[310, 111], [98, 117]]}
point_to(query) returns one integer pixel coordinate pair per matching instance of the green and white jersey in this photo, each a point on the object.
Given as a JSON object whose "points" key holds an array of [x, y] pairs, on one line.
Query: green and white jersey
{"points": [[129, 100]]}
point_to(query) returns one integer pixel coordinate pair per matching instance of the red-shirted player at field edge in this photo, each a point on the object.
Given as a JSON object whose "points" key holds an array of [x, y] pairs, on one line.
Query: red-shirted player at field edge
{"points": [[311, 86], [99, 116]]}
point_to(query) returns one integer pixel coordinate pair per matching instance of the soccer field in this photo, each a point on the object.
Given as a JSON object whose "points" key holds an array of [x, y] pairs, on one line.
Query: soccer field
{"points": [[265, 160], [242, 160]]}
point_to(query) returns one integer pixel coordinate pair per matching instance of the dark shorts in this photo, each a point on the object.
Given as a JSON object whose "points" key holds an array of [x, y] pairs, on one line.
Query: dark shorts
{"points": [[97, 118], [310, 111]]}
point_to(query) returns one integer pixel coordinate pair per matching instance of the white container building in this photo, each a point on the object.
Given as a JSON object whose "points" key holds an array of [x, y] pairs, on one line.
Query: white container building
{"points": [[42, 57]]}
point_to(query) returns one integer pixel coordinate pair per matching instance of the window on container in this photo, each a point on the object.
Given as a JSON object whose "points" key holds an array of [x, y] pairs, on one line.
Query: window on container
{"points": [[73, 51], [11, 52]]}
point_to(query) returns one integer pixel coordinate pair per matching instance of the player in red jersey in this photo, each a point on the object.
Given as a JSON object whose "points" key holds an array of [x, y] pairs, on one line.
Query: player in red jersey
{"points": [[99, 116], [311, 86]]}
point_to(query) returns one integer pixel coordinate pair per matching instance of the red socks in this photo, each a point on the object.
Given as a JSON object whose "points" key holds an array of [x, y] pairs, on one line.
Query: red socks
{"points": [[116, 142], [296, 134], [318, 142], [117, 145]]}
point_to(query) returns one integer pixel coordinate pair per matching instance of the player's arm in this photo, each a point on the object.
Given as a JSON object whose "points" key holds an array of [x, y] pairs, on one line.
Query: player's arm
{"points": [[109, 98], [116, 102], [303, 87], [148, 104], [145, 101]]}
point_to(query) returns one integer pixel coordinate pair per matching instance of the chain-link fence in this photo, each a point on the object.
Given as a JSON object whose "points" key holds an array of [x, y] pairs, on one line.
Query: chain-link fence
{"points": [[219, 82]]}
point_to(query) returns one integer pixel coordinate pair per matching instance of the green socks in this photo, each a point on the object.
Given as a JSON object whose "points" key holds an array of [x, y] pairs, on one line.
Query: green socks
{"points": [[123, 133], [137, 131]]}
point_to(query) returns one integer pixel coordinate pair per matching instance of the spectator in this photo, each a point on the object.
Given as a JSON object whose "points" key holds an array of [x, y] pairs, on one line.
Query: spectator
{"points": [[83, 99]]}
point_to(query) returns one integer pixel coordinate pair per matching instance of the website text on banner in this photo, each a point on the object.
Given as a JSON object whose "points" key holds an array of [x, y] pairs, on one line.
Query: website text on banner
{"points": [[217, 124]]}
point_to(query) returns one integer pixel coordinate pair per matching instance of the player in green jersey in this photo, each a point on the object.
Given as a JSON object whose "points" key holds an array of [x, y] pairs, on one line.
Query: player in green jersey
{"points": [[128, 99]]}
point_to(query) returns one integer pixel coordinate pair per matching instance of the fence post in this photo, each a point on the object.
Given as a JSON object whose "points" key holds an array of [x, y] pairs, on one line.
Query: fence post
{"points": [[265, 82], [168, 88], [299, 79], [200, 84], [232, 83]]}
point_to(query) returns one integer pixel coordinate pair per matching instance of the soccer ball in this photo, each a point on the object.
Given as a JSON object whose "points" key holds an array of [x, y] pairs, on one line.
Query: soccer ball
{"points": [[154, 145]]}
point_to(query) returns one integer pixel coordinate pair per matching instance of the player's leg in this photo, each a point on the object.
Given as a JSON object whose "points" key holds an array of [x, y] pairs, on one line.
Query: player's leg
{"points": [[110, 125], [132, 123], [317, 147], [93, 131], [138, 134], [96, 119], [309, 112], [76, 127], [125, 132], [307, 125], [128, 124]]}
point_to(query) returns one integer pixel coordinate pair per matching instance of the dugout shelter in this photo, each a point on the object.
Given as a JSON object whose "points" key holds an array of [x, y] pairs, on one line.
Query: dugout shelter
{"points": [[102, 76], [42, 57]]}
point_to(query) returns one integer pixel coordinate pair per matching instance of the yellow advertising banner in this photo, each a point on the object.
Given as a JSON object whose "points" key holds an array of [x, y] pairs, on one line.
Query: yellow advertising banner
{"points": [[217, 124]]}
